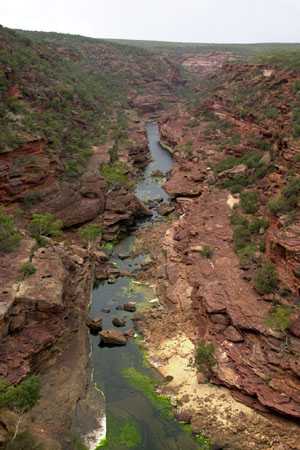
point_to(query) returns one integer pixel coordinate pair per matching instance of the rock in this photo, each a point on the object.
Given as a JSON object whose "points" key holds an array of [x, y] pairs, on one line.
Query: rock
{"points": [[112, 338], [233, 335], [105, 310], [266, 159], [95, 325], [118, 322], [184, 416], [221, 319], [166, 209], [129, 307], [240, 169], [295, 327]]}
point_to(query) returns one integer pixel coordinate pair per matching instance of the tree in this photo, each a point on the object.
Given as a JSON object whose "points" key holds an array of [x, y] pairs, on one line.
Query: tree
{"points": [[20, 398], [90, 233], [280, 318], [9, 235], [44, 224]]}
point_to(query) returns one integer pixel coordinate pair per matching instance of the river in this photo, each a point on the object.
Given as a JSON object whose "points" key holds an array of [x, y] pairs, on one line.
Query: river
{"points": [[134, 419]]}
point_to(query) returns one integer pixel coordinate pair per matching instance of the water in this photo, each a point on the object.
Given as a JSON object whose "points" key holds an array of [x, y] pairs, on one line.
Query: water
{"points": [[125, 404]]}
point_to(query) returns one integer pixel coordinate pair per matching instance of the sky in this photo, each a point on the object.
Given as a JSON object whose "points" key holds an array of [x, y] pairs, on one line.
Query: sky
{"points": [[215, 21]]}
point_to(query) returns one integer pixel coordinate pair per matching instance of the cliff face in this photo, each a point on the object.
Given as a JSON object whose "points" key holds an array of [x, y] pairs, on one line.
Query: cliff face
{"points": [[214, 254]]}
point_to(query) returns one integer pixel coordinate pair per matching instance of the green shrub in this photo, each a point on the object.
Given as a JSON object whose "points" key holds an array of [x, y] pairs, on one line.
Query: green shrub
{"points": [[241, 237], [266, 280], [9, 236], [45, 224], [249, 202], [288, 200], [205, 356], [258, 225], [27, 269], [297, 86], [115, 174], [207, 252], [280, 318], [20, 397]]}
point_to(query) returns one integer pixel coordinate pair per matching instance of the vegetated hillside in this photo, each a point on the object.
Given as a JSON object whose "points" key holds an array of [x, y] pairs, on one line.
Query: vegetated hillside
{"points": [[66, 90]]}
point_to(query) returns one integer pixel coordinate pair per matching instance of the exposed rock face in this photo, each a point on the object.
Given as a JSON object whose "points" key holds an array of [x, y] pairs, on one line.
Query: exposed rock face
{"points": [[221, 307], [283, 248]]}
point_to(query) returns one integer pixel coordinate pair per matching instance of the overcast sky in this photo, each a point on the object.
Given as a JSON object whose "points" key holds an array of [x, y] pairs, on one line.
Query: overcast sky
{"points": [[168, 20]]}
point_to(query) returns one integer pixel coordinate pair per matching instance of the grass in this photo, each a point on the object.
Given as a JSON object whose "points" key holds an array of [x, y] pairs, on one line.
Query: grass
{"points": [[147, 385]]}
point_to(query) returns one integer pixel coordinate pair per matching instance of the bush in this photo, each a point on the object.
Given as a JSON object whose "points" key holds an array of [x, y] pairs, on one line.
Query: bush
{"points": [[204, 356], [241, 237], [27, 269], [288, 200], [266, 280], [115, 174], [21, 397], [249, 202], [280, 318], [45, 224], [9, 236]]}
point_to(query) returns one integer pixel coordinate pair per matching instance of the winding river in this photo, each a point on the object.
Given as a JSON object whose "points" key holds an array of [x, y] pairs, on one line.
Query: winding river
{"points": [[133, 420]]}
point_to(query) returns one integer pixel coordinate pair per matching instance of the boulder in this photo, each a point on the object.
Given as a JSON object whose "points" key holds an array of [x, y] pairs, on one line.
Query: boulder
{"points": [[112, 338], [129, 307], [166, 209], [118, 322], [94, 325]]}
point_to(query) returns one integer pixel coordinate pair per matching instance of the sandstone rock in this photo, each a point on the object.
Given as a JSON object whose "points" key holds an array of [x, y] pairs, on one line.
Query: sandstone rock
{"points": [[95, 325], [240, 169], [166, 209], [233, 335], [130, 307], [112, 338], [118, 322]]}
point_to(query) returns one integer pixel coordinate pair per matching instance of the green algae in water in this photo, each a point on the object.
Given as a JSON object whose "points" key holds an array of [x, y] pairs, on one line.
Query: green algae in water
{"points": [[122, 434], [147, 386]]}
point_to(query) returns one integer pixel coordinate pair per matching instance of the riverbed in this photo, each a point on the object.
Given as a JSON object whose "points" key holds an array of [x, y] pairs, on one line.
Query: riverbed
{"points": [[136, 419]]}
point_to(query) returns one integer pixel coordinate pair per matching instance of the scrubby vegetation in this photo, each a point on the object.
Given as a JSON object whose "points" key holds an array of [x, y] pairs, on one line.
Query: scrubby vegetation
{"points": [[266, 280], [115, 174], [247, 236], [252, 160], [280, 318], [205, 356], [249, 202], [27, 269], [90, 233], [288, 200], [21, 397], [9, 235], [44, 225]]}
